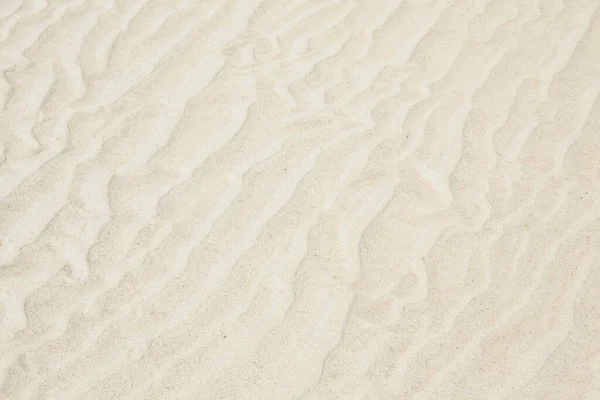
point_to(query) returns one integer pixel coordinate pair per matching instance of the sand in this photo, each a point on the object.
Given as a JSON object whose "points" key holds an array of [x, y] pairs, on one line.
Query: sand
{"points": [[300, 199]]}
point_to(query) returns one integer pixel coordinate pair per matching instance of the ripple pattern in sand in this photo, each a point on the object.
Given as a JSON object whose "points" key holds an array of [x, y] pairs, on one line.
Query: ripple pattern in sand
{"points": [[300, 199]]}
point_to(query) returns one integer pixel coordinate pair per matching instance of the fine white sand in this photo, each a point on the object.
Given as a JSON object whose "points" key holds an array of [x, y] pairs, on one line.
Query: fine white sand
{"points": [[300, 199]]}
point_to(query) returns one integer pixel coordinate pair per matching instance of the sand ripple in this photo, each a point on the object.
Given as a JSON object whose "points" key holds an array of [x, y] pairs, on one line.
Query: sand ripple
{"points": [[300, 199]]}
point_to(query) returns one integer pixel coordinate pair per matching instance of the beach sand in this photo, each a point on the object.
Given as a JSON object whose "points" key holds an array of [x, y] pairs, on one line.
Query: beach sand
{"points": [[300, 199]]}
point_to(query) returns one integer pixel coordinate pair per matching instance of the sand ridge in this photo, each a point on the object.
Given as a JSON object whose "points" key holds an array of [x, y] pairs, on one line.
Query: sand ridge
{"points": [[302, 199]]}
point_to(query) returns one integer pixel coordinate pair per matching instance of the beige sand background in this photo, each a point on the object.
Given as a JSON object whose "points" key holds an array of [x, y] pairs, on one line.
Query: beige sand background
{"points": [[300, 199]]}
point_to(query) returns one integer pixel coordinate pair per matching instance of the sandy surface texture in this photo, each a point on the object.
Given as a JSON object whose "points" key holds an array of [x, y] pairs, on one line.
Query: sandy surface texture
{"points": [[300, 199]]}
